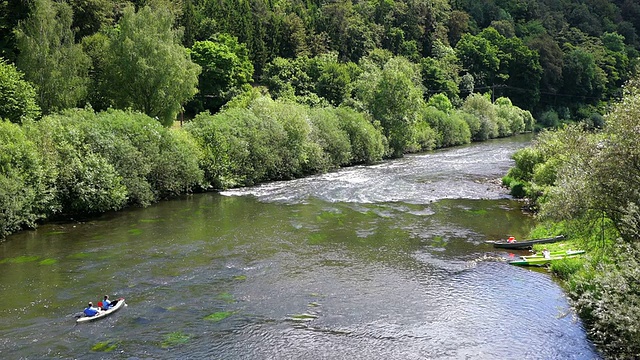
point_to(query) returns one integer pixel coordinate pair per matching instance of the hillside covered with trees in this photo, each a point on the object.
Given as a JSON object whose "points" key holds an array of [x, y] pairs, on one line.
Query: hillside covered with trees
{"points": [[561, 60]]}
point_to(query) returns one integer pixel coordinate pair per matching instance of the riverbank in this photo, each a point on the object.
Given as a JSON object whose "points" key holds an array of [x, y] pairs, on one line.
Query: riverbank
{"points": [[80, 162], [585, 184]]}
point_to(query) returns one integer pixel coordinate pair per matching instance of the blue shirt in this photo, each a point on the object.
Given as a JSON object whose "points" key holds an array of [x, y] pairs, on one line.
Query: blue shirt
{"points": [[90, 311], [106, 304]]}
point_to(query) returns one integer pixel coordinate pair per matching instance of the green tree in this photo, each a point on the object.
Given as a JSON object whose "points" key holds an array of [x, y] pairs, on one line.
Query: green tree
{"points": [[583, 78], [288, 79], [225, 70], [396, 102], [350, 34], [481, 107], [91, 15], [601, 175], [148, 69], [441, 73], [479, 57], [332, 78], [19, 96], [49, 57], [550, 60]]}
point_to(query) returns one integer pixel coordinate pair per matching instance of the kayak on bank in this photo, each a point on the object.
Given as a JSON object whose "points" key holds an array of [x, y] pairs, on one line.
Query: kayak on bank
{"points": [[525, 244], [541, 260]]}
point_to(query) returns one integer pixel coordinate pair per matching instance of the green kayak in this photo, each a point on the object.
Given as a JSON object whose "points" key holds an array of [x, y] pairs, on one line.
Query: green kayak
{"points": [[539, 260], [553, 253]]}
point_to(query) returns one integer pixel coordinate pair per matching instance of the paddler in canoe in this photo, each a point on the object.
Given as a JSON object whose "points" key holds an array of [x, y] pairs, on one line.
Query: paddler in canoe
{"points": [[91, 310], [103, 305]]}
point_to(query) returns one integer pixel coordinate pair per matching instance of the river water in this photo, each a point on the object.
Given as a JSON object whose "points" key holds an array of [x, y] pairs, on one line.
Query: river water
{"points": [[369, 262]]}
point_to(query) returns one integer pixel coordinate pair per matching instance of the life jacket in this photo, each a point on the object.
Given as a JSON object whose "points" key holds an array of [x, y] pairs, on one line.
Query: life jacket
{"points": [[106, 304]]}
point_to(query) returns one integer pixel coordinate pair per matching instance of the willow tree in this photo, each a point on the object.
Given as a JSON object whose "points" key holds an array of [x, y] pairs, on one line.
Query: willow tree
{"points": [[49, 57], [148, 69], [396, 102]]}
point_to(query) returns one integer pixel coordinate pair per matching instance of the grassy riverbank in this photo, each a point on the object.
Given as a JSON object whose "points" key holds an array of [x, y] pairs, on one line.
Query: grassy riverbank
{"points": [[585, 184]]}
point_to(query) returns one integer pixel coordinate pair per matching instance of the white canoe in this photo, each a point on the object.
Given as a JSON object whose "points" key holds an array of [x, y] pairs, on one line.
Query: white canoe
{"points": [[103, 313]]}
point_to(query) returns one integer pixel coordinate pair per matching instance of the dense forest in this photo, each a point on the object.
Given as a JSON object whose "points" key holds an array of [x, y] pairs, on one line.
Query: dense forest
{"points": [[91, 91], [561, 60]]}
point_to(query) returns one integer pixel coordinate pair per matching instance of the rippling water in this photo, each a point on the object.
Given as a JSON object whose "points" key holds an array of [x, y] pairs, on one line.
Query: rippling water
{"points": [[378, 262]]}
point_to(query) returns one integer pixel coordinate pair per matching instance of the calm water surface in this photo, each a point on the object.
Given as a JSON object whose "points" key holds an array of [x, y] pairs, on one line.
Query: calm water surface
{"points": [[377, 262]]}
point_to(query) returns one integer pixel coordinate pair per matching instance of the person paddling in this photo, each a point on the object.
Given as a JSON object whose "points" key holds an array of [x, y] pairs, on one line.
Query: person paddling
{"points": [[90, 310], [106, 304]]}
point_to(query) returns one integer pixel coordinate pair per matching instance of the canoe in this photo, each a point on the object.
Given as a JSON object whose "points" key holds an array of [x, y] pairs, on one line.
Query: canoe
{"points": [[554, 253], [542, 261], [103, 313], [525, 244]]}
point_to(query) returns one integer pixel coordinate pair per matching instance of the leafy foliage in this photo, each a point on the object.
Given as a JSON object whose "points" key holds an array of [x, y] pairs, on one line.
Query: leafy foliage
{"points": [[104, 161], [49, 57], [607, 297], [148, 69], [19, 96], [225, 70], [24, 181]]}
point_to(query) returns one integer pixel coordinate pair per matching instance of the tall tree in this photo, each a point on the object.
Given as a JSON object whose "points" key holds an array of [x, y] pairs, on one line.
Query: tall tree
{"points": [[479, 57], [149, 70], [397, 101], [225, 69], [50, 58]]}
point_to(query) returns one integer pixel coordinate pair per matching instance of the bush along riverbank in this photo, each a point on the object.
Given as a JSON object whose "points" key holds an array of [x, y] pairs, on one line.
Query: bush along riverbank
{"points": [[586, 185], [79, 162]]}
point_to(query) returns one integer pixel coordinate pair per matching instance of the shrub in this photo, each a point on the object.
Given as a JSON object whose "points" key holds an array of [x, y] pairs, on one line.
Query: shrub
{"points": [[269, 141], [510, 118], [333, 140], [86, 182], [481, 107], [368, 145], [18, 96], [24, 181], [518, 189], [424, 136], [154, 162], [225, 138], [450, 130], [607, 297], [107, 160], [298, 154]]}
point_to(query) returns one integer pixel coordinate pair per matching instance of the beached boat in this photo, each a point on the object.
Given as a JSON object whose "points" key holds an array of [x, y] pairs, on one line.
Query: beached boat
{"points": [[553, 253], [117, 305], [543, 261], [524, 244]]}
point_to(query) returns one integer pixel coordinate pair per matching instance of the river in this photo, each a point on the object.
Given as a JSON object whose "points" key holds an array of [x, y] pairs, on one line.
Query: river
{"points": [[369, 262]]}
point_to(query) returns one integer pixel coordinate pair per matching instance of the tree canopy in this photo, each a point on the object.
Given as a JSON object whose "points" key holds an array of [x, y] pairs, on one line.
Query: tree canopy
{"points": [[565, 59]]}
